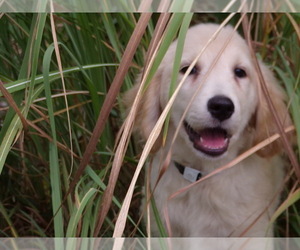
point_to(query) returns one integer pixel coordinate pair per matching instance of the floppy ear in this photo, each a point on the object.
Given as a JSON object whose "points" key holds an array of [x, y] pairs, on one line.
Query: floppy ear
{"points": [[265, 123], [149, 108]]}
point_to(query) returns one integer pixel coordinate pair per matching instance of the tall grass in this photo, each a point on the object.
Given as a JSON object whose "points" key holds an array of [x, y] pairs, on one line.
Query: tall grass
{"points": [[53, 179]]}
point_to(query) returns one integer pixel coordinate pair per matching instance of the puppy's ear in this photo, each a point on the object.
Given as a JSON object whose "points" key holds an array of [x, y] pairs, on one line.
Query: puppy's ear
{"points": [[148, 110], [265, 123]]}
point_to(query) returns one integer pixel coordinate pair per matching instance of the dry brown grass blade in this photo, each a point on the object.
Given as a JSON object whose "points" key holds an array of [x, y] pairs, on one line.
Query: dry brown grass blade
{"points": [[57, 53], [111, 97], [162, 22], [145, 6], [292, 8], [284, 138], [121, 222], [158, 32], [13, 104], [152, 50], [164, 5], [107, 106]]}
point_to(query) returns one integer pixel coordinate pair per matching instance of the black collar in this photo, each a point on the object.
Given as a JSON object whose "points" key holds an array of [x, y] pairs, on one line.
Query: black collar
{"points": [[188, 173]]}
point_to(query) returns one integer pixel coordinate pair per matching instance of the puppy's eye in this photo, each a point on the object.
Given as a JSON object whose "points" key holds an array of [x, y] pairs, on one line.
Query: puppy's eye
{"points": [[240, 73], [184, 69]]}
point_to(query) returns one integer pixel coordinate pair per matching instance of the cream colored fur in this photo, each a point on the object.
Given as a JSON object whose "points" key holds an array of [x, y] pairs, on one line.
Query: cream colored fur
{"points": [[238, 201]]}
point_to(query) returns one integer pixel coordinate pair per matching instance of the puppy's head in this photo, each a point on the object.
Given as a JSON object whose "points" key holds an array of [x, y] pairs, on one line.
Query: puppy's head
{"points": [[220, 102]]}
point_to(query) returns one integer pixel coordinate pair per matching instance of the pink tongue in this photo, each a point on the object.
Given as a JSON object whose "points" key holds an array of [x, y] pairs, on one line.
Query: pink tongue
{"points": [[212, 140], [214, 143]]}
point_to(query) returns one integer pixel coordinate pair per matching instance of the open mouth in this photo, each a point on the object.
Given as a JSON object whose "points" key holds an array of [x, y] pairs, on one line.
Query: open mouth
{"points": [[211, 141]]}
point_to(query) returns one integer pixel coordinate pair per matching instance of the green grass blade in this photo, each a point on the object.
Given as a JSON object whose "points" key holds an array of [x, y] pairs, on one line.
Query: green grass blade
{"points": [[170, 35], [35, 59], [20, 85], [289, 82], [53, 151], [75, 217], [181, 6], [160, 225], [177, 61], [14, 128], [286, 204], [12, 125]]}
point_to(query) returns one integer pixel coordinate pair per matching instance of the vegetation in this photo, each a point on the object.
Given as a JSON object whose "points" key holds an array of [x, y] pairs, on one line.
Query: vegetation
{"points": [[57, 73]]}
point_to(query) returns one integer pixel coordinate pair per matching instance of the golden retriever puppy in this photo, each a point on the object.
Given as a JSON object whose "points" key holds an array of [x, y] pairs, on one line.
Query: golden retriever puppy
{"points": [[220, 113]]}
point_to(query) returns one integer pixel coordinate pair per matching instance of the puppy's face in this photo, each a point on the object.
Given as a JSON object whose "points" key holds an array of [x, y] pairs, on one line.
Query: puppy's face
{"points": [[219, 100], [219, 96]]}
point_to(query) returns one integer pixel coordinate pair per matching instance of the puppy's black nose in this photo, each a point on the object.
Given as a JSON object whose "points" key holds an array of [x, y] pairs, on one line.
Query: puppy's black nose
{"points": [[220, 107]]}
